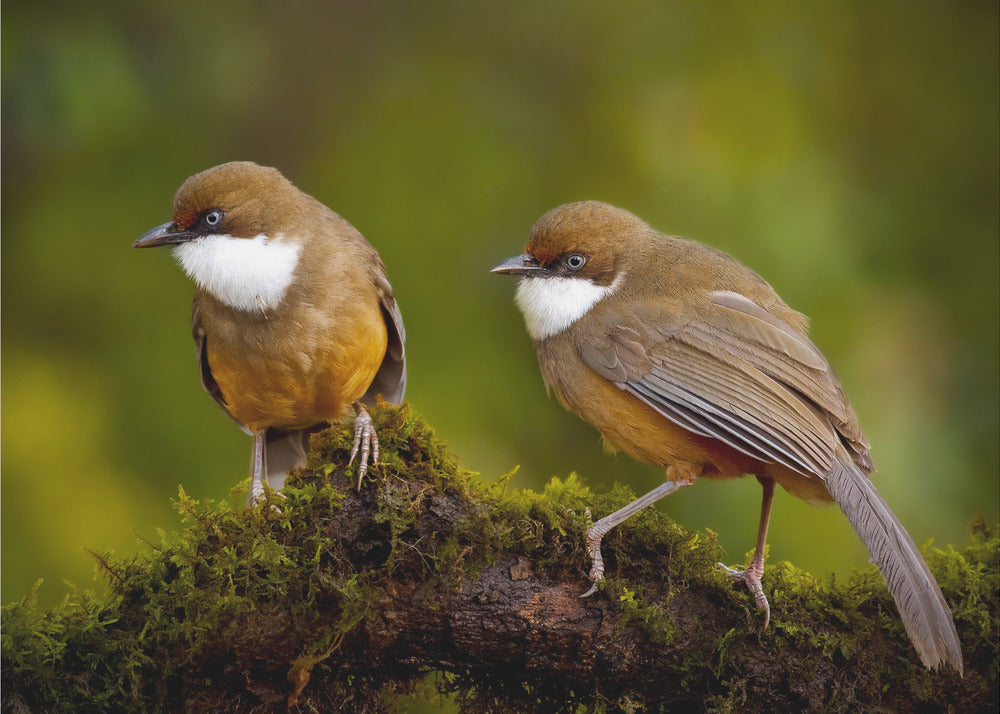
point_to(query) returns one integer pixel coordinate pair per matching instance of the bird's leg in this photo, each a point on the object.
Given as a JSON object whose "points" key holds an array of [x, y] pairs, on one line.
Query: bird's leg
{"points": [[365, 439], [751, 576], [257, 469], [598, 530]]}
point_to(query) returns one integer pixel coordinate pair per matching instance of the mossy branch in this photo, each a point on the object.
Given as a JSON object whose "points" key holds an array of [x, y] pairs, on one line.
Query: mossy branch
{"points": [[326, 599]]}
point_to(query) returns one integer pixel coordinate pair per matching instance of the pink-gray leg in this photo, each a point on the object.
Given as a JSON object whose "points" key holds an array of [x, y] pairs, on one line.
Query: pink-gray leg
{"points": [[752, 575], [598, 530], [256, 492]]}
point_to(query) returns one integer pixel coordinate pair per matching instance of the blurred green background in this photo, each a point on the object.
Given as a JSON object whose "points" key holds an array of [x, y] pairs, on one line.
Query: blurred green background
{"points": [[848, 152]]}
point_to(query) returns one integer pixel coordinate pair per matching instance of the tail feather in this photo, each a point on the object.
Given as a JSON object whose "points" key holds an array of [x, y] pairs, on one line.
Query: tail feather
{"points": [[284, 451], [921, 605]]}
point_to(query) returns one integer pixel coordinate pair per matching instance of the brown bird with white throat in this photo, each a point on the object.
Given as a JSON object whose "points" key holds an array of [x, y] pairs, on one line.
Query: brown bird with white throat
{"points": [[685, 359], [294, 319]]}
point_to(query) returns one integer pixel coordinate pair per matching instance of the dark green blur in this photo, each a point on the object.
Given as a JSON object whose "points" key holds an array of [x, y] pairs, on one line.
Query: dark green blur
{"points": [[848, 152]]}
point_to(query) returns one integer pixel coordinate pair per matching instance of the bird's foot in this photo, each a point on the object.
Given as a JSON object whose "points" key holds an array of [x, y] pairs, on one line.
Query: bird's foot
{"points": [[365, 441], [596, 573], [256, 493], [751, 577], [256, 496]]}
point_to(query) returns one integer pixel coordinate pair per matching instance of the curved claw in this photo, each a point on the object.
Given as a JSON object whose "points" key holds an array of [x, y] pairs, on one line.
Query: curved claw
{"points": [[257, 498], [751, 579], [596, 573], [365, 440], [598, 530]]}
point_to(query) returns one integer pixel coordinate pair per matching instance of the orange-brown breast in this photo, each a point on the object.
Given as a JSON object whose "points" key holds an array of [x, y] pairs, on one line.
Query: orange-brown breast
{"points": [[295, 367]]}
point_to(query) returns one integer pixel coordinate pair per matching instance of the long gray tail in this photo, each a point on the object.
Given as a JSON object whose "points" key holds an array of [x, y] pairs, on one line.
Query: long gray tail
{"points": [[921, 605]]}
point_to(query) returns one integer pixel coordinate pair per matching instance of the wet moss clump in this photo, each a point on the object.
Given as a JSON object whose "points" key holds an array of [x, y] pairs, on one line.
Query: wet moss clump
{"points": [[326, 599]]}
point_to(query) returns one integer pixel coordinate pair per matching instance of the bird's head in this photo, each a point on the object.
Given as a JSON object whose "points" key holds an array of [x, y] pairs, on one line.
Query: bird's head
{"points": [[239, 199], [237, 230], [575, 256]]}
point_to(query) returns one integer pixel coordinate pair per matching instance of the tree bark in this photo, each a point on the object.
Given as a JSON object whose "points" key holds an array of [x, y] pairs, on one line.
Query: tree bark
{"points": [[327, 599]]}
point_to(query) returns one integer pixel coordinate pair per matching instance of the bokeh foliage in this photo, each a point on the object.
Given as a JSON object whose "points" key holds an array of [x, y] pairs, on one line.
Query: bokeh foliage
{"points": [[848, 152]]}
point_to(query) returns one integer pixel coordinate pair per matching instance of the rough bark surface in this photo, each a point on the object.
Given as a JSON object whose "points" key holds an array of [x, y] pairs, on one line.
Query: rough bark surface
{"points": [[327, 599]]}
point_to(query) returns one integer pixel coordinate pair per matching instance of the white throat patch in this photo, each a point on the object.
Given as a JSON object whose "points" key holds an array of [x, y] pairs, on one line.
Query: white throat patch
{"points": [[550, 305], [249, 274]]}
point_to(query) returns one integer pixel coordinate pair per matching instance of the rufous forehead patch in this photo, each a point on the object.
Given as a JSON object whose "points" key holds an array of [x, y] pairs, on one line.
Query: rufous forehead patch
{"points": [[545, 257], [541, 254], [185, 218]]}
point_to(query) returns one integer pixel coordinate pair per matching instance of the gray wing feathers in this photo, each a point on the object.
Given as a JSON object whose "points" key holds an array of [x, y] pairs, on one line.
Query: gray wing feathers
{"points": [[921, 605], [782, 352], [749, 417], [734, 372], [723, 373], [756, 324], [390, 380]]}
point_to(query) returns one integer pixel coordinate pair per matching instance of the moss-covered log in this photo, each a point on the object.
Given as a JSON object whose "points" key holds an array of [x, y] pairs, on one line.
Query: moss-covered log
{"points": [[326, 599]]}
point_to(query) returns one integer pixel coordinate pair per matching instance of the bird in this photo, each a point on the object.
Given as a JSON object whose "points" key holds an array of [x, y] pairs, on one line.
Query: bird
{"points": [[294, 319], [685, 359]]}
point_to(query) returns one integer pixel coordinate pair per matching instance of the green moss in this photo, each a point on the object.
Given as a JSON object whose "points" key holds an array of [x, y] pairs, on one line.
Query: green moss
{"points": [[243, 609], [652, 617]]}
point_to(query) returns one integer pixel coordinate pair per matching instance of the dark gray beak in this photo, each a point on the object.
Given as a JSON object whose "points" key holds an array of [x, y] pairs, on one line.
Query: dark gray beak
{"points": [[167, 234], [526, 264]]}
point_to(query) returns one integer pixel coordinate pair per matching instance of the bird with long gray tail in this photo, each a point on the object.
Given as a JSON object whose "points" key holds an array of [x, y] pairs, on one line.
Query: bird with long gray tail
{"points": [[684, 358]]}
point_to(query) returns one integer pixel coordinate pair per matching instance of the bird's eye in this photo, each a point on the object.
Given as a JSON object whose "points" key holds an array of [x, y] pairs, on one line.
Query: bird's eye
{"points": [[213, 218], [575, 261]]}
